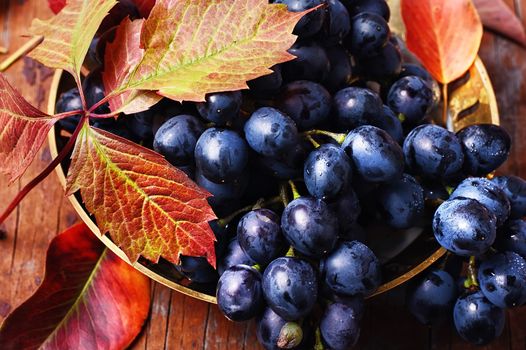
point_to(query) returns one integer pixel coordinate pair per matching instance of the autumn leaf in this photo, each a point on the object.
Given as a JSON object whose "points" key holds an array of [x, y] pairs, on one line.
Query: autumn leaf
{"points": [[144, 6], [193, 47], [56, 5], [498, 16], [67, 36], [89, 299], [23, 130], [122, 55], [149, 207], [444, 35]]}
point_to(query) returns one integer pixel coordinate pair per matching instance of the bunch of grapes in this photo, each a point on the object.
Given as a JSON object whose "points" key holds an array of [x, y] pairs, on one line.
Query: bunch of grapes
{"points": [[300, 165]]}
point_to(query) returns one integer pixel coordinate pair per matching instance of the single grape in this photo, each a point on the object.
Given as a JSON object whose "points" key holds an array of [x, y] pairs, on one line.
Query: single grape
{"points": [[352, 269], [369, 33], [327, 171], [268, 84], [177, 137], [94, 91], [306, 102], [434, 152], [341, 70], [310, 226], [69, 101], [339, 326], [486, 147], [355, 106], [486, 193], [477, 320], [401, 202], [290, 287], [337, 23], [412, 97], [347, 209], [259, 235], [197, 269], [270, 133], [221, 154], [385, 65], [464, 226], [432, 298], [220, 107], [512, 237], [141, 125], [309, 24], [311, 63], [269, 326], [389, 122], [409, 69], [233, 255], [502, 279], [375, 155], [515, 189], [234, 188], [379, 7], [239, 294]]}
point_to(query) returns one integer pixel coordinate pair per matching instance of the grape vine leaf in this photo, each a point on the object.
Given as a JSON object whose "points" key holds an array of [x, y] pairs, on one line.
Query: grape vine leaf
{"points": [[149, 207], [56, 5], [89, 299], [121, 56], [24, 129], [144, 6], [67, 35], [444, 35], [498, 16], [193, 47]]}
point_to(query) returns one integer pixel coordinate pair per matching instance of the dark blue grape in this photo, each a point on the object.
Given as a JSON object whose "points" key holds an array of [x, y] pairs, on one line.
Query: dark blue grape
{"points": [[369, 34], [311, 63], [310, 226], [432, 298], [233, 255], [412, 97], [306, 102], [338, 21], [268, 84], [269, 325], [69, 101], [259, 235], [239, 294], [477, 320], [385, 65], [327, 171], [311, 23], [355, 106], [270, 133], [197, 269], [234, 188], [375, 155], [352, 269], [515, 189], [502, 279], [220, 107], [379, 7], [389, 122], [94, 91], [512, 237], [487, 193], [340, 326], [347, 209], [221, 154], [434, 152], [341, 71], [486, 147], [409, 69], [177, 137], [401, 202], [290, 287], [141, 125], [464, 226]]}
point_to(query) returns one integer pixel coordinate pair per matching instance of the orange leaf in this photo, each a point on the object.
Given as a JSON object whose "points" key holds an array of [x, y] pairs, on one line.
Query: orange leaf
{"points": [[149, 207], [498, 16], [23, 130], [89, 299], [444, 34]]}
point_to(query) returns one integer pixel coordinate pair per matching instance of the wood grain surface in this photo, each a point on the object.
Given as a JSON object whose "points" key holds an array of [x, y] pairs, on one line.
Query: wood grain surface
{"points": [[178, 321]]}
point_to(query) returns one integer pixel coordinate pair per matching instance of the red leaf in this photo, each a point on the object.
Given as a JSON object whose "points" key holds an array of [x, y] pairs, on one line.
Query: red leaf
{"points": [[444, 35], [56, 5], [23, 130], [149, 207], [122, 55], [144, 6], [89, 299], [497, 16]]}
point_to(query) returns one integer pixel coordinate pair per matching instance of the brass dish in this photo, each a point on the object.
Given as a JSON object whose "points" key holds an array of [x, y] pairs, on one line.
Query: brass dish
{"points": [[472, 100]]}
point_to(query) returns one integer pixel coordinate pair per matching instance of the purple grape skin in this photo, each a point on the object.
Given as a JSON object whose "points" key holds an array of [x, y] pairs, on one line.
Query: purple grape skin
{"points": [[515, 189], [354, 107], [311, 63], [340, 326], [512, 237], [233, 255], [412, 97]]}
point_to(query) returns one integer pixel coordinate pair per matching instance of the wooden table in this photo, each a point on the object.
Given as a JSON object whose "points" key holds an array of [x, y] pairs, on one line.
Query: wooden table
{"points": [[180, 322]]}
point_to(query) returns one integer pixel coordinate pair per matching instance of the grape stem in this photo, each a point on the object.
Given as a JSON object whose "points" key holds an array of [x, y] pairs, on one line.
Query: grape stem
{"points": [[283, 194], [338, 137], [471, 281], [27, 188], [294, 189], [259, 204], [313, 141], [319, 344], [290, 252]]}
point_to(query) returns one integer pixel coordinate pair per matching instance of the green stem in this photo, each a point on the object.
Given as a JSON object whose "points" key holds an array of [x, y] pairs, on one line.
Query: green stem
{"points": [[313, 141], [471, 281], [290, 252], [259, 204], [338, 137], [283, 194], [319, 344], [294, 189]]}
